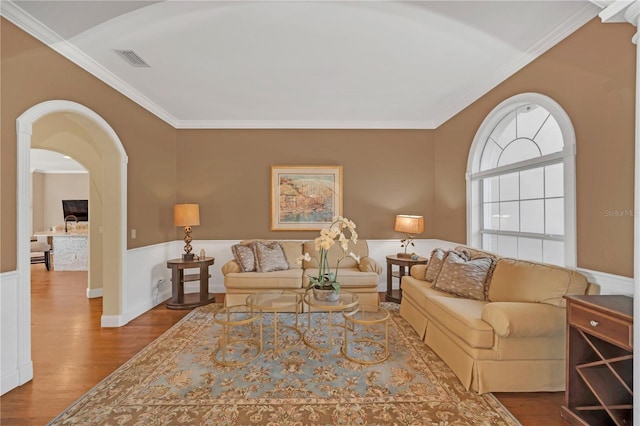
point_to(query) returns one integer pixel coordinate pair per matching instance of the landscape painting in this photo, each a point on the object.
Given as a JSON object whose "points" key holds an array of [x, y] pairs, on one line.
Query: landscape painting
{"points": [[305, 198]]}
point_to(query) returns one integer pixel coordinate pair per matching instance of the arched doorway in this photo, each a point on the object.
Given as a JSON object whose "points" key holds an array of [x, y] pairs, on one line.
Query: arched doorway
{"points": [[68, 126]]}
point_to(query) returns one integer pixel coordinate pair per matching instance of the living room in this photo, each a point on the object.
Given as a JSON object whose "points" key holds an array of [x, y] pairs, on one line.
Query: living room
{"points": [[591, 73]]}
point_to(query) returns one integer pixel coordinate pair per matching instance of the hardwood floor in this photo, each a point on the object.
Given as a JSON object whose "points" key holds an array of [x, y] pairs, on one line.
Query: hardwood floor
{"points": [[71, 353]]}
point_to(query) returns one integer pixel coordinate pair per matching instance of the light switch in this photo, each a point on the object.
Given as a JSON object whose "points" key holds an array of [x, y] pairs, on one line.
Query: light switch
{"points": [[133, 234]]}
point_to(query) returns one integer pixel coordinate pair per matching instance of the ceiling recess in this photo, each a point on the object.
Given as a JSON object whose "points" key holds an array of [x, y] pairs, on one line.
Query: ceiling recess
{"points": [[132, 58]]}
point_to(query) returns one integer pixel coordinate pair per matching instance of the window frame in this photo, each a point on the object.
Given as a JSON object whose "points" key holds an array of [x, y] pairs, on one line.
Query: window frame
{"points": [[474, 176]]}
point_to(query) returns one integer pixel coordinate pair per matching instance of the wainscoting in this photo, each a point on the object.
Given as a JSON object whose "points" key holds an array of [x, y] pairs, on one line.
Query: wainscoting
{"points": [[149, 279]]}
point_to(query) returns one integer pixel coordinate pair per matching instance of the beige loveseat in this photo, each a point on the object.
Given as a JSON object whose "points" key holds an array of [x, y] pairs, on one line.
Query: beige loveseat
{"points": [[514, 339], [360, 278]]}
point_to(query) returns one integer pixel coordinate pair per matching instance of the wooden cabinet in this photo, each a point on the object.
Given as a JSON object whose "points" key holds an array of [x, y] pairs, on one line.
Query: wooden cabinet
{"points": [[599, 386]]}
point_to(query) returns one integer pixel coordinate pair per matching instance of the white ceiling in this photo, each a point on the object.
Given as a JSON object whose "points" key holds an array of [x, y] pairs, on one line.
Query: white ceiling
{"points": [[303, 64]]}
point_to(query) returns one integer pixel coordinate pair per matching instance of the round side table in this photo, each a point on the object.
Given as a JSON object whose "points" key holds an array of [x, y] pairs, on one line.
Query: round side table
{"points": [[404, 265]]}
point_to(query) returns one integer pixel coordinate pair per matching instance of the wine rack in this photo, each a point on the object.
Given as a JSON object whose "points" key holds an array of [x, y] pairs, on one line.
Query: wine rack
{"points": [[599, 387]]}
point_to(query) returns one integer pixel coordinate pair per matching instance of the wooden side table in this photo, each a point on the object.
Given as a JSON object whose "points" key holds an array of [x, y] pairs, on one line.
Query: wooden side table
{"points": [[179, 300], [402, 263]]}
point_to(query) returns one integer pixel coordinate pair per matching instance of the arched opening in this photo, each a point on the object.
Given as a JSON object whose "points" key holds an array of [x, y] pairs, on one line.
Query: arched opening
{"points": [[66, 126]]}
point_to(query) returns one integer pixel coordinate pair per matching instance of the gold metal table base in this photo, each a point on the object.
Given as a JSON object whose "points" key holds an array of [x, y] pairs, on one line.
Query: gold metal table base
{"points": [[366, 316], [346, 300], [278, 302], [240, 348]]}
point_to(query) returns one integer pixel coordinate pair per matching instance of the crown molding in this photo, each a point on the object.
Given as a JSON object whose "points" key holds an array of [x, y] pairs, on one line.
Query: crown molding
{"points": [[562, 31], [35, 28], [302, 124]]}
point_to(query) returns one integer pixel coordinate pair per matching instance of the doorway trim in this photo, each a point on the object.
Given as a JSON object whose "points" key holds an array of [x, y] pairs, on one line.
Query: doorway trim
{"points": [[24, 129]]}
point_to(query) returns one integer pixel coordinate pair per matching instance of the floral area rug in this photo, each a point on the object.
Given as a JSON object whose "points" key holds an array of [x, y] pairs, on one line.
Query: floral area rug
{"points": [[175, 381]]}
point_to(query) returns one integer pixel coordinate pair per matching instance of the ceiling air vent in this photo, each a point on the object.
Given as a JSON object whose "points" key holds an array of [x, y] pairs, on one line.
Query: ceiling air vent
{"points": [[132, 58]]}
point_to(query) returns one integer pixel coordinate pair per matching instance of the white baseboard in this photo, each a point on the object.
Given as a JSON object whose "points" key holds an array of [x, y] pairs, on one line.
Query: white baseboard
{"points": [[93, 293], [15, 339], [9, 380], [112, 321]]}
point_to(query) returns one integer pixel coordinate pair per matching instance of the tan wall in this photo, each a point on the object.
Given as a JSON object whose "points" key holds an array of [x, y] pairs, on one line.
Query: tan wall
{"points": [[591, 74], [385, 172], [31, 73], [62, 186]]}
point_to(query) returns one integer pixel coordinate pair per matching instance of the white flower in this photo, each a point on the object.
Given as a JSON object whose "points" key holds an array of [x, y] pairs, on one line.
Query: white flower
{"points": [[304, 257], [328, 237], [354, 257]]}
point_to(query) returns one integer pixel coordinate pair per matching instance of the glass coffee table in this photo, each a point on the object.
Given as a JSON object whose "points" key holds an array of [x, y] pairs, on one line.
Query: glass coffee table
{"points": [[346, 300], [278, 302]]}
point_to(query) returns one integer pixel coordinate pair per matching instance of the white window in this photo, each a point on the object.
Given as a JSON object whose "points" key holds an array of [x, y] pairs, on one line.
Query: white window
{"points": [[521, 182]]}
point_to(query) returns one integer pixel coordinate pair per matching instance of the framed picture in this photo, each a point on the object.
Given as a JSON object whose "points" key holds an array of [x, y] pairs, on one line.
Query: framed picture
{"points": [[305, 198]]}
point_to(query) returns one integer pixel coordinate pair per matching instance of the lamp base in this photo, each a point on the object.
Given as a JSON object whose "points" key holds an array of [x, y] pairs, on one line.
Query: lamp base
{"points": [[187, 256], [404, 255]]}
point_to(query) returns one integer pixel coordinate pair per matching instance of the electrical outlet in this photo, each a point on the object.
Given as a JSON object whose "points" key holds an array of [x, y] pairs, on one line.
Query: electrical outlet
{"points": [[133, 234]]}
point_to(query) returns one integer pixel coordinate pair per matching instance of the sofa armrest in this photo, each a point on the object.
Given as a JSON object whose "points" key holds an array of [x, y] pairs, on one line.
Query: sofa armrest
{"points": [[523, 319], [369, 264], [230, 266], [419, 272]]}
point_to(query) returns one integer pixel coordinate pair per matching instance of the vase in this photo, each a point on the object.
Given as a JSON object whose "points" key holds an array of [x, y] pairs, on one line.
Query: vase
{"points": [[329, 295]]}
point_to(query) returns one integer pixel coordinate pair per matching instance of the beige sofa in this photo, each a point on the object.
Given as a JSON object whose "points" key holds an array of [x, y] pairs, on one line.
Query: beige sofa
{"points": [[361, 278], [514, 340]]}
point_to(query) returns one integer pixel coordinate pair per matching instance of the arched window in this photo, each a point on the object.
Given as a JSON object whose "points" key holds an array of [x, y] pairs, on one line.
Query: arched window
{"points": [[521, 182]]}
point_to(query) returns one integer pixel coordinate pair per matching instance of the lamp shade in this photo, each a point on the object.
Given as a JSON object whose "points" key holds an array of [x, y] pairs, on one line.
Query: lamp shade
{"points": [[409, 224], [186, 214]]}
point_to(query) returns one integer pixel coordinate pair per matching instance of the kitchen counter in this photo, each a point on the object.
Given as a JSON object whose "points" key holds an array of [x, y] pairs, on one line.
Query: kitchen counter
{"points": [[70, 249]]}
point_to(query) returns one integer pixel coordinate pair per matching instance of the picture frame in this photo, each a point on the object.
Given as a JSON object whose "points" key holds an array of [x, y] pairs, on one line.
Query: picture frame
{"points": [[305, 198]]}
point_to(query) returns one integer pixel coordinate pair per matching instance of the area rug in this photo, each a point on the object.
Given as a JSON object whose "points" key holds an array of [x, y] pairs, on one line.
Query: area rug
{"points": [[174, 381]]}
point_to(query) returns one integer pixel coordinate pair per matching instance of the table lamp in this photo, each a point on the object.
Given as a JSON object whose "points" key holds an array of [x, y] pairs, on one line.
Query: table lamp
{"points": [[186, 215], [410, 225]]}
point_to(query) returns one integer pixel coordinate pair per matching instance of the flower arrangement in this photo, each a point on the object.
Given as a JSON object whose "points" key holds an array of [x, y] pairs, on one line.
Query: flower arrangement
{"points": [[327, 280]]}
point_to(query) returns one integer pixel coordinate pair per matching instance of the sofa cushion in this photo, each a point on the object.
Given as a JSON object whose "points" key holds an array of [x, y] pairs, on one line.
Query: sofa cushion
{"points": [[269, 256], [462, 317], [292, 250], [419, 290], [473, 253], [291, 278], [522, 281], [435, 264], [244, 257], [464, 277]]}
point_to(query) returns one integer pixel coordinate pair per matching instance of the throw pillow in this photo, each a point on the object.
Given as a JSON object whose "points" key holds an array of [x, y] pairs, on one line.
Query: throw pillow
{"points": [[434, 265], [269, 256], [464, 277], [243, 255]]}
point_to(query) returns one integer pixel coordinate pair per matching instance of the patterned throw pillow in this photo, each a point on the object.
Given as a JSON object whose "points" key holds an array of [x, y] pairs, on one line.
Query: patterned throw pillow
{"points": [[434, 265], [464, 277], [269, 256], [243, 255]]}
